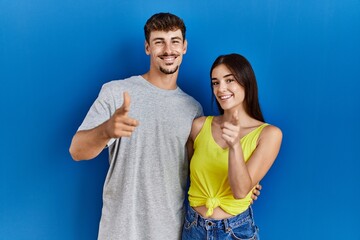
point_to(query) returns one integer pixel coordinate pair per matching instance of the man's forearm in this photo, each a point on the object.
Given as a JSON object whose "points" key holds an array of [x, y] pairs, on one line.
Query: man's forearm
{"points": [[87, 144]]}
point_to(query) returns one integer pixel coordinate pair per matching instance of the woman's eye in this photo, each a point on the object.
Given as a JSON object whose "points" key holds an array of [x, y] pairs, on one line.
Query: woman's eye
{"points": [[215, 83]]}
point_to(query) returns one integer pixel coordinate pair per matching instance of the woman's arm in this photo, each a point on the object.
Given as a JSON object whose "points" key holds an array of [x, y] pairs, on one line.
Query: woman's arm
{"points": [[244, 176], [264, 155], [239, 177]]}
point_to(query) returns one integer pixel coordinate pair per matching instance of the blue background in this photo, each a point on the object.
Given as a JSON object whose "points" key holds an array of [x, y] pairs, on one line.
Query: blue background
{"points": [[55, 55]]}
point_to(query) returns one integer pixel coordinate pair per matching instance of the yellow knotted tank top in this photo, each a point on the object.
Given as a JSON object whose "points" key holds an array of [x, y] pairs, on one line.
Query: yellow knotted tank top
{"points": [[209, 184]]}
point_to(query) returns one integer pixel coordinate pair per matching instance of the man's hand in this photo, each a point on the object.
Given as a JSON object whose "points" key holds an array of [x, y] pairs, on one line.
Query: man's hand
{"points": [[255, 193], [120, 125]]}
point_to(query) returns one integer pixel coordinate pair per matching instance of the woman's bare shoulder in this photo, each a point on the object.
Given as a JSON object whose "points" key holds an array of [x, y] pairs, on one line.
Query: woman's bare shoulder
{"points": [[271, 132], [199, 120], [196, 126]]}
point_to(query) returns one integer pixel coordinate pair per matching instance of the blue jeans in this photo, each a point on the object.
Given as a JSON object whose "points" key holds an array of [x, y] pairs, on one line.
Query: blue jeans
{"points": [[241, 227]]}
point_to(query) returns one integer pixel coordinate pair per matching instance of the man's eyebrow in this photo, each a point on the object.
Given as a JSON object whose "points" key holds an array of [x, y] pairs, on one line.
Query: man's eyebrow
{"points": [[158, 38], [162, 39]]}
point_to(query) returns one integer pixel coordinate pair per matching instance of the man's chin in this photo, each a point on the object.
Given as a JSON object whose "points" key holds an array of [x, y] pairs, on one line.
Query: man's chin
{"points": [[169, 71]]}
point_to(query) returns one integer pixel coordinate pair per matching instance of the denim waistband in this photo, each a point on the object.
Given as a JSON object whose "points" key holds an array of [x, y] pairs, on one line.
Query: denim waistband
{"points": [[226, 223]]}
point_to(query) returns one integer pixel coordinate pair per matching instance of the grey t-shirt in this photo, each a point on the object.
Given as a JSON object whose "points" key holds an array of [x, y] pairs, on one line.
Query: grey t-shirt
{"points": [[147, 178]]}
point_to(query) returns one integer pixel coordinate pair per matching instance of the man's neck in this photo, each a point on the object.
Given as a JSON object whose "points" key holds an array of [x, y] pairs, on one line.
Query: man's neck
{"points": [[163, 81]]}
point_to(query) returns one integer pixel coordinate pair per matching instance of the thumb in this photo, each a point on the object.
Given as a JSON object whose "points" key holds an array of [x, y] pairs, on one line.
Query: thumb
{"points": [[126, 104]]}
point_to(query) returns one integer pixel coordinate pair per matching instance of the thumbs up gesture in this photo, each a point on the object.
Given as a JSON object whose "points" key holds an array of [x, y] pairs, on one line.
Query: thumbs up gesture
{"points": [[120, 124], [231, 130]]}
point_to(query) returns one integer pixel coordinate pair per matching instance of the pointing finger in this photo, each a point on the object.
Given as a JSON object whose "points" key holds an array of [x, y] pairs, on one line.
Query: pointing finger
{"points": [[235, 118]]}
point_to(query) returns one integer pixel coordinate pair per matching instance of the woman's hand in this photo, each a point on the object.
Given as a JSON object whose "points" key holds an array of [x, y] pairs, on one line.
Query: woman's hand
{"points": [[231, 131]]}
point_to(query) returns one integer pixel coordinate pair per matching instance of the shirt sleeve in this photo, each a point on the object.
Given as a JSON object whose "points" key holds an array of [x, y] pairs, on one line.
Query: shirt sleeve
{"points": [[100, 111], [200, 111]]}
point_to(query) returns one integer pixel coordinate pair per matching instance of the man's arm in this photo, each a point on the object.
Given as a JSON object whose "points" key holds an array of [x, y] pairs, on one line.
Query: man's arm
{"points": [[87, 144]]}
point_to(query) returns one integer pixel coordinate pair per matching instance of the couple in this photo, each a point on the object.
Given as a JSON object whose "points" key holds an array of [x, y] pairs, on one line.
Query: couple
{"points": [[151, 128]]}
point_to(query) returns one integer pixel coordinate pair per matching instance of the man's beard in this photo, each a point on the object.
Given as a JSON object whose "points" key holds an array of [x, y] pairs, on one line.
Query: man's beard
{"points": [[169, 71]]}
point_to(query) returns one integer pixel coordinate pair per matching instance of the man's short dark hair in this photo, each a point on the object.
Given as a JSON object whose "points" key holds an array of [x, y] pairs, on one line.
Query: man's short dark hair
{"points": [[164, 22]]}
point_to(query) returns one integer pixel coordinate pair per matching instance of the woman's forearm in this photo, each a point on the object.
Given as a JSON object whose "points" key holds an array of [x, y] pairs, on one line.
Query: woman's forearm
{"points": [[239, 177]]}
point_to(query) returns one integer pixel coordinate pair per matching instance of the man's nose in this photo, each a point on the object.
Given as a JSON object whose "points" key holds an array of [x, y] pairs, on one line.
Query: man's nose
{"points": [[167, 48]]}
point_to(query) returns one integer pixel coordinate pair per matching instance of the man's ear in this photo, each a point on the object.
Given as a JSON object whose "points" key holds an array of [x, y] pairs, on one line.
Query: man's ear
{"points": [[147, 51], [185, 46]]}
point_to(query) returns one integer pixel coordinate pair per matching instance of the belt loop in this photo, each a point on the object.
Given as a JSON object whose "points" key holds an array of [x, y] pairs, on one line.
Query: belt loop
{"points": [[196, 218], [226, 225]]}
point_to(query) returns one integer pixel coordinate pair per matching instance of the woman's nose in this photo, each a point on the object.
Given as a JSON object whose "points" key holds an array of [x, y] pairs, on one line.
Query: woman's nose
{"points": [[222, 86]]}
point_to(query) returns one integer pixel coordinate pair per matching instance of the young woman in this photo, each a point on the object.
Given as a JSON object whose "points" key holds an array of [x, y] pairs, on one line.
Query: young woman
{"points": [[232, 152]]}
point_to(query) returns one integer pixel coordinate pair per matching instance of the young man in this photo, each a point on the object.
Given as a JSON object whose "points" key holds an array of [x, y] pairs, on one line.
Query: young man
{"points": [[145, 121]]}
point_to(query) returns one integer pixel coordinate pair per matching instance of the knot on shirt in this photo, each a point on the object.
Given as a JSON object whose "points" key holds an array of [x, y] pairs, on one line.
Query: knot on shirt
{"points": [[211, 203]]}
